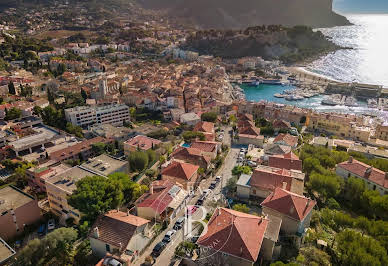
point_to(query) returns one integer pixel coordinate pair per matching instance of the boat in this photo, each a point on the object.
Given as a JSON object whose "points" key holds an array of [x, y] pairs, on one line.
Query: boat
{"points": [[278, 95], [293, 97], [329, 102], [255, 83], [271, 81]]}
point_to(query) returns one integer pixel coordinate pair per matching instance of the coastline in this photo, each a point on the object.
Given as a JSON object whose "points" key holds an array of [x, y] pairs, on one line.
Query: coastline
{"points": [[310, 76]]}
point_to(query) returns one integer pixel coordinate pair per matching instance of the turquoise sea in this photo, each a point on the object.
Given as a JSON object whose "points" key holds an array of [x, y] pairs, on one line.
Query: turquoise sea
{"points": [[265, 92]]}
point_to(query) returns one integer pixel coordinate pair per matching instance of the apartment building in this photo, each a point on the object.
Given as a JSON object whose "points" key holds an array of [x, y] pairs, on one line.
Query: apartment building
{"points": [[17, 210], [60, 187], [344, 125], [84, 116], [382, 132]]}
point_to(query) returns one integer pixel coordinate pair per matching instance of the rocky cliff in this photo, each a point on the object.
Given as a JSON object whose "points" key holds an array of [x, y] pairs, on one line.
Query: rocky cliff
{"points": [[240, 14]]}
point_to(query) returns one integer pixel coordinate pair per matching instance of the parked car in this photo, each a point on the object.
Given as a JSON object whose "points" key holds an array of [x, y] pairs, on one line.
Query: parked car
{"points": [[168, 236], [179, 223], [200, 201], [191, 209], [158, 249], [252, 163], [51, 224], [213, 185], [42, 230], [218, 178]]}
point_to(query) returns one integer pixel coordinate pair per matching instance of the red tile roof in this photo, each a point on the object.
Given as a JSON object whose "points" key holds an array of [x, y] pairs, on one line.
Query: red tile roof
{"points": [[255, 131], [365, 171], [159, 199], [142, 142], [203, 126], [117, 227], [180, 170], [190, 154], [287, 139], [206, 146], [287, 161], [235, 233], [269, 178], [281, 124], [288, 203]]}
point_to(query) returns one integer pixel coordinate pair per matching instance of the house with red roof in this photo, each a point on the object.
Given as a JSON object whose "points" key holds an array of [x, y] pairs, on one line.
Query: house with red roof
{"points": [[265, 179], [287, 161], [286, 139], [185, 174], [279, 124], [140, 142], [207, 128], [248, 133], [295, 211], [191, 155], [207, 148], [162, 202], [236, 238], [374, 178], [119, 233]]}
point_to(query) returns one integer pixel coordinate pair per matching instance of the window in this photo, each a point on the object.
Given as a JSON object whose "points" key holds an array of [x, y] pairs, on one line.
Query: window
{"points": [[107, 247], [254, 191], [374, 187]]}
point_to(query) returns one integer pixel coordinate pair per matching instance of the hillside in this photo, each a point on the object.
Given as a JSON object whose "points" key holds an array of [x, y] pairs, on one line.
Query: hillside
{"points": [[222, 14], [270, 42]]}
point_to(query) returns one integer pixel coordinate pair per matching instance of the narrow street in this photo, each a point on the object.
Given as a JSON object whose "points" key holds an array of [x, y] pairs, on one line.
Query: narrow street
{"points": [[226, 172]]}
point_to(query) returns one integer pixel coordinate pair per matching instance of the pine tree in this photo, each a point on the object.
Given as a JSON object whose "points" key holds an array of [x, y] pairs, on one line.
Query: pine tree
{"points": [[11, 88]]}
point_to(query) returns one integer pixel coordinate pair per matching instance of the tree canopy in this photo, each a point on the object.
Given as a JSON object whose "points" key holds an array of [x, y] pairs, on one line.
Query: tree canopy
{"points": [[54, 249], [209, 117], [138, 161], [12, 113], [96, 195]]}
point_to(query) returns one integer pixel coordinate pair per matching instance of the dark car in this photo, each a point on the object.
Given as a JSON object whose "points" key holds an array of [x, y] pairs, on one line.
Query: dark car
{"points": [[213, 185], [42, 230], [158, 249]]}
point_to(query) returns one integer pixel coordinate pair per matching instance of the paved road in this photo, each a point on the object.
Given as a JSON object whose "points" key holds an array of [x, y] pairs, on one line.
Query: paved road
{"points": [[225, 171]]}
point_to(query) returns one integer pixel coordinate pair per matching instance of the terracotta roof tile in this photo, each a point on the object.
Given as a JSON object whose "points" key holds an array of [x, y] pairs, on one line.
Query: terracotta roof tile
{"points": [[235, 233], [159, 199], [143, 142], [365, 171], [286, 139], [288, 203], [206, 146], [117, 227], [269, 178], [204, 126], [180, 170], [287, 161]]}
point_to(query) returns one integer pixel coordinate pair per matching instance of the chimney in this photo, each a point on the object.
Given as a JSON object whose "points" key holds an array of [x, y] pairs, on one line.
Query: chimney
{"points": [[151, 189], [96, 233], [127, 212], [350, 160], [284, 185]]}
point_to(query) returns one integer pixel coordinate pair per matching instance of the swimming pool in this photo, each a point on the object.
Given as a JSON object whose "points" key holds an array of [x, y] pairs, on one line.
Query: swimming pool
{"points": [[186, 145]]}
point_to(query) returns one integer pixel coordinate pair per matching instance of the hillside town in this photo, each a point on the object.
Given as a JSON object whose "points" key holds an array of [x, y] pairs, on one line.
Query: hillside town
{"points": [[131, 150]]}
